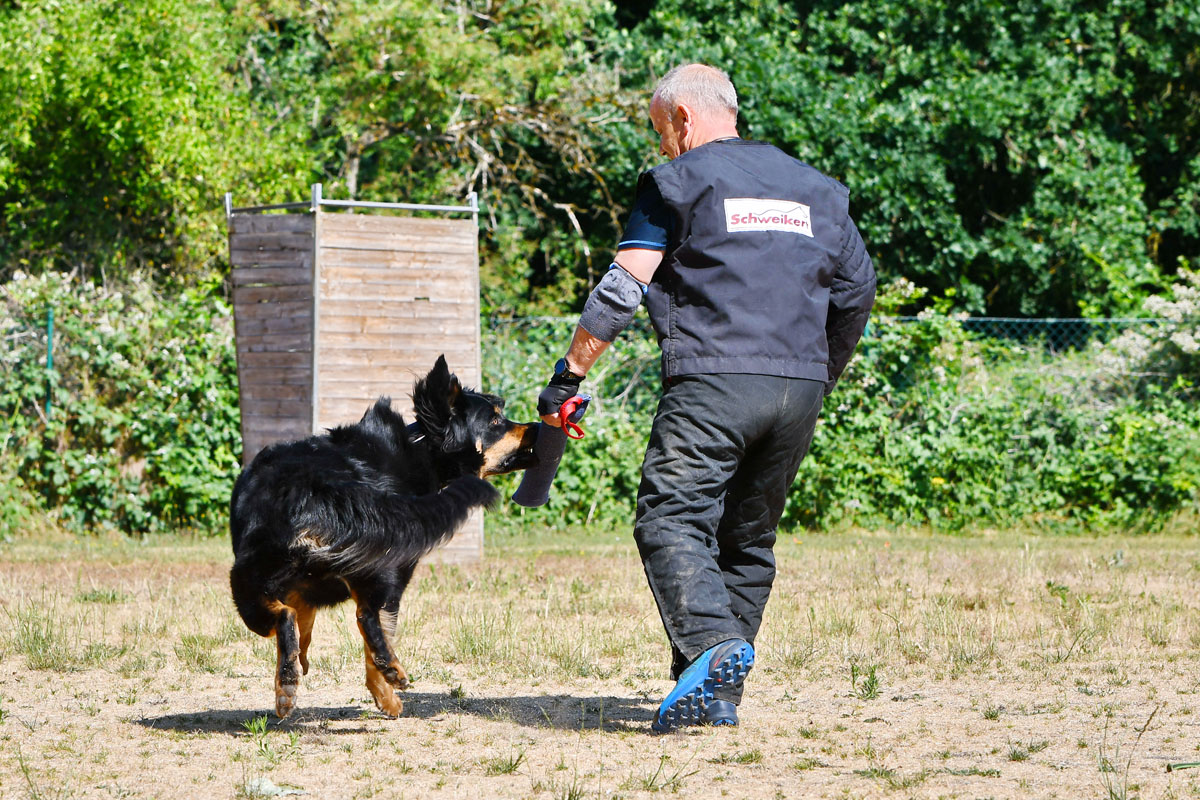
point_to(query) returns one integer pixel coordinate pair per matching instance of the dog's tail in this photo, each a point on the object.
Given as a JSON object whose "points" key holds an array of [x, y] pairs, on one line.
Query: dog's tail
{"points": [[393, 529]]}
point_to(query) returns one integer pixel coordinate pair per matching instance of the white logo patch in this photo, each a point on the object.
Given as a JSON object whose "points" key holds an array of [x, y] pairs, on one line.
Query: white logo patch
{"points": [[757, 214]]}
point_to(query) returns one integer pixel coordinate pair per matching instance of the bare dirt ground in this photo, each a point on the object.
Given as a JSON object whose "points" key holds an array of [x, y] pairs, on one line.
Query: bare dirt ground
{"points": [[889, 666]]}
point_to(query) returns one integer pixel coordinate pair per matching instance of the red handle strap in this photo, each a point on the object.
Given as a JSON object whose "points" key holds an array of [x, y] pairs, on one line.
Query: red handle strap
{"points": [[570, 413]]}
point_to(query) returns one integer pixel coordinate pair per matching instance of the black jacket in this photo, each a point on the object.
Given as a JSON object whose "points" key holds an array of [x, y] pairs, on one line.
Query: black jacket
{"points": [[765, 272]]}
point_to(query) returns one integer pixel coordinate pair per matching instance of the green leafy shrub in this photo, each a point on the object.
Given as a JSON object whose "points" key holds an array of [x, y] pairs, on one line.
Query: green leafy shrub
{"points": [[141, 430], [930, 425]]}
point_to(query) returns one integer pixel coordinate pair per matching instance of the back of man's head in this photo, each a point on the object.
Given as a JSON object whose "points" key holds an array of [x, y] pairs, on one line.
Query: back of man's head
{"points": [[706, 89]]}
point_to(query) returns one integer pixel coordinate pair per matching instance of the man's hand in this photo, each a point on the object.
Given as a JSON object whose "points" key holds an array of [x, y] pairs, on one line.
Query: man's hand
{"points": [[563, 385]]}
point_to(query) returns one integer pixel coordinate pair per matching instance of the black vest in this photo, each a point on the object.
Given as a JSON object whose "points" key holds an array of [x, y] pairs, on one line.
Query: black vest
{"points": [[744, 283]]}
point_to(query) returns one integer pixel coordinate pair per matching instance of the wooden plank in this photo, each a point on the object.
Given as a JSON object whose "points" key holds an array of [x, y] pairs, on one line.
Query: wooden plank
{"points": [[292, 409], [279, 341], [391, 326], [418, 361], [410, 292], [349, 410], [395, 379], [279, 427], [461, 314], [288, 342], [271, 258], [252, 389], [425, 342], [457, 263], [270, 223], [463, 293], [363, 391], [272, 294], [259, 359], [285, 308], [272, 240], [332, 274], [251, 326], [285, 276], [298, 307], [380, 225], [269, 376], [415, 245]]}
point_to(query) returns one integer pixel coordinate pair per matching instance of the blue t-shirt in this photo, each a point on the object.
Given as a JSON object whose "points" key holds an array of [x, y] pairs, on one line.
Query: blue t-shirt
{"points": [[649, 226]]}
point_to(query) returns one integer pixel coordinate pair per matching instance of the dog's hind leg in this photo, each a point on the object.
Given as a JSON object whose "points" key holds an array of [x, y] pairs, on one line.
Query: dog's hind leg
{"points": [[305, 614], [383, 670], [390, 616], [287, 673]]}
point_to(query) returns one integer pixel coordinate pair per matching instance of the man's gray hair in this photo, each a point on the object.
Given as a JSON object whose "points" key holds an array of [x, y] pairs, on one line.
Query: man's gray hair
{"points": [[706, 88]]}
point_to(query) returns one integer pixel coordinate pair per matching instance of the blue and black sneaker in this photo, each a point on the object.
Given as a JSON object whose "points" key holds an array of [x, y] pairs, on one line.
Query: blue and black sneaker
{"points": [[719, 712], [725, 664]]}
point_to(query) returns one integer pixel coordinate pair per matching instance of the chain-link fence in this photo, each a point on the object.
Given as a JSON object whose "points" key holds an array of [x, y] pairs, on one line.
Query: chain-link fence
{"points": [[1057, 335]]}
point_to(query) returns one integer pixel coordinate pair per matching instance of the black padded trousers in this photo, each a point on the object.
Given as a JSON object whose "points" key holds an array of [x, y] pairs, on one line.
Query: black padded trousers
{"points": [[722, 455]]}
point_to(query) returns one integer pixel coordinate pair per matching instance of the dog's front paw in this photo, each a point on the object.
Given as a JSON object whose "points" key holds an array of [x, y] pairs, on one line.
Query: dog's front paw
{"points": [[389, 704], [285, 698]]}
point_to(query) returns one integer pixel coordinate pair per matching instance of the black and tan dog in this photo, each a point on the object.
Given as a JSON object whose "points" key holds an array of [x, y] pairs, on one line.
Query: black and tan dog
{"points": [[348, 515]]}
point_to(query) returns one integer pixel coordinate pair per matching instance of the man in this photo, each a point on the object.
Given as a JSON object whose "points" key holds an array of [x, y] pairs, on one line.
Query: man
{"points": [[758, 285]]}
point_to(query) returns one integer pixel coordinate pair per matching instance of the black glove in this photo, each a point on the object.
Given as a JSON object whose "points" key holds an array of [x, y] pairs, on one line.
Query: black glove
{"points": [[563, 385]]}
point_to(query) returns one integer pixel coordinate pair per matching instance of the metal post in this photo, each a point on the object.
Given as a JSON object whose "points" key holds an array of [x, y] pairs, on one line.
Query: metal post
{"points": [[49, 356], [316, 197]]}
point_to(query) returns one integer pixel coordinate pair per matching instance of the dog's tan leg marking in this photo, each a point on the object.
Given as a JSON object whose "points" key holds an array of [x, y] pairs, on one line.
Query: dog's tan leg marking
{"points": [[385, 696], [388, 620], [305, 614], [378, 679], [287, 672]]}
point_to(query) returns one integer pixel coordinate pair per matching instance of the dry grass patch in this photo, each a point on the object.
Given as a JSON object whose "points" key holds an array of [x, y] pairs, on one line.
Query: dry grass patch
{"points": [[889, 666]]}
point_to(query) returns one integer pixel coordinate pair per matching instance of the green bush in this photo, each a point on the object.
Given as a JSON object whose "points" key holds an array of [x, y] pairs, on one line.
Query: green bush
{"points": [[141, 431], [929, 426]]}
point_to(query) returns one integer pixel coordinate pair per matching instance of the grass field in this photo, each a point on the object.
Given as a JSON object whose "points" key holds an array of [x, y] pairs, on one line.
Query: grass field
{"points": [[889, 666]]}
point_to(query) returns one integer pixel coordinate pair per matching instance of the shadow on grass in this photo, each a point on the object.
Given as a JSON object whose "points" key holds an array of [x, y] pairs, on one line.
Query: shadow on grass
{"points": [[561, 712]]}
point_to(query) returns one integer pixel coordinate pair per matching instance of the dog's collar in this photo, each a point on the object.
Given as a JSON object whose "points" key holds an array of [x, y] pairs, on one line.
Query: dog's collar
{"points": [[415, 434]]}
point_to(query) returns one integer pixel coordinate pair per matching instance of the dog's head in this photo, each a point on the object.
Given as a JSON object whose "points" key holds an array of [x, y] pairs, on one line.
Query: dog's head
{"points": [[467, 430]]}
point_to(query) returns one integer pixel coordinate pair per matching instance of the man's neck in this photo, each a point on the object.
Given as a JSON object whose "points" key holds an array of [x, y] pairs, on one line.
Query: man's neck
{"points": [[710, 130]]}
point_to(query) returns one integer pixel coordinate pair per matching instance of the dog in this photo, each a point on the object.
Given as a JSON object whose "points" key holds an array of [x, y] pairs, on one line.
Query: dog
{"points": [[347, 515]]}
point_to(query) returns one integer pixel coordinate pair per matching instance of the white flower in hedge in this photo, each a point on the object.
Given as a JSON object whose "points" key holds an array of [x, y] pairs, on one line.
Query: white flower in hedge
{"points": [[1185, 341]]}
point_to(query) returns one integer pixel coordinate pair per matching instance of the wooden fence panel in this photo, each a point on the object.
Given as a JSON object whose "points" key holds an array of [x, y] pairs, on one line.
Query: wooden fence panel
{"points": [[333, 310], [272, 256]]}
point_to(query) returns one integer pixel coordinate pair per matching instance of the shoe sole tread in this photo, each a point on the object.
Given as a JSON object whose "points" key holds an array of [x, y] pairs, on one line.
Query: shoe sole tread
{"points": [[688, 708]]}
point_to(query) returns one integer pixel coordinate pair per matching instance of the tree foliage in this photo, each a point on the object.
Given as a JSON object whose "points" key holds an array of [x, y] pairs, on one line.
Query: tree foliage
{"points": [[119, 130], [1027, 158], [420, 101], [1040, 158], [1037, 158]]}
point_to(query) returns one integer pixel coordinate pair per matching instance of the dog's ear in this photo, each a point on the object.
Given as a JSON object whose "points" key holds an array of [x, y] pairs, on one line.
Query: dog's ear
{"points": [[441, 382], [436, 398]]}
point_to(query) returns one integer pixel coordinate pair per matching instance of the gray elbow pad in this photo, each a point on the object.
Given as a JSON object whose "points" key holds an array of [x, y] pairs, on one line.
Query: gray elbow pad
{"points": [[612, 304]]}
